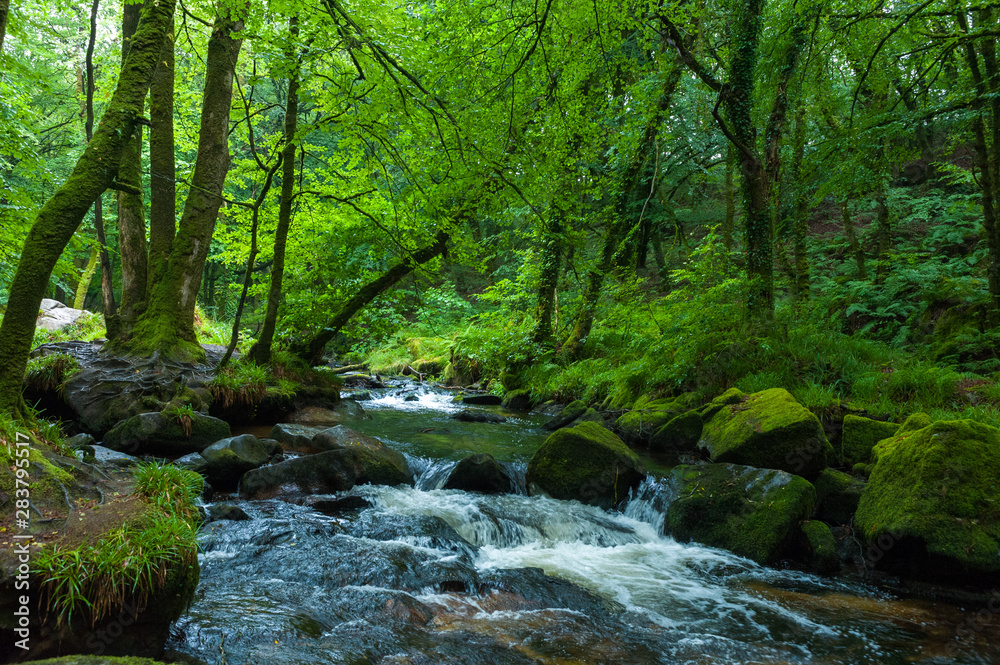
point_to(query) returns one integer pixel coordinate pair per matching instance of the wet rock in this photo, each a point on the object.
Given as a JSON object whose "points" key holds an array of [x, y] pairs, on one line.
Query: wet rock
{"points": [[480, 473], [343, 411], [518, 400], [295, 438], [226, 511], [566, 416], [768, 430], [477, 416], [340, 436], [837, 496], [541, 590], [160, 434], [192, 462], [681, 433], [327, 472], [931, 507], [227, 460], [587, 463], [417, 530], [859, 436], [482, 400], [80, 440], [412, 397], [752, 512], [362, 396], [337, 506]]}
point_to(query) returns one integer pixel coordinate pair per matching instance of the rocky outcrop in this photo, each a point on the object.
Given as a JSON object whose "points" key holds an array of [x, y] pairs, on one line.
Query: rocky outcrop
{"points": [[768, 430], [752, 512], [586, 463]]}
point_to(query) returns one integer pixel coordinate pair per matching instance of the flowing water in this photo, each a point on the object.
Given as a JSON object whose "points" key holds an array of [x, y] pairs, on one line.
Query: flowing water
{"points": [[424, 575]]}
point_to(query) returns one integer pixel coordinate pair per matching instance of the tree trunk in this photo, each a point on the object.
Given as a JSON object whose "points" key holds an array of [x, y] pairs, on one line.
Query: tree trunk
{"points": [[312, 351], [167, 325], [162, 190], [261, 351], [800, 224], [549, 279], [131, 216], [4, 11], [107, 281], [59, 218], [883, 236], [88, 274], [852, 238], [730, 196]]}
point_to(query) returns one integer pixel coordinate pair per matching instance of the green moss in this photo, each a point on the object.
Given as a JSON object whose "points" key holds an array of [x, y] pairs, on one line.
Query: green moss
{"points": [[731, 396], [915, 422], [752, 512], [939, 486], [681, 433], [587, 463], [768, 430], [821, 547], [859, 437], [519, 400], [638, 427]]}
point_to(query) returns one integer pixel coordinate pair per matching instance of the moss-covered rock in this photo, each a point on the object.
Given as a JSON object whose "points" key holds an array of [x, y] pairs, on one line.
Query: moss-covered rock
{"points": [[295, 438], [837, 496], [681, 433], [360, 461], [637, 427], [768, 430], [820, 547], [587, 463], [859, 436], [567, 415], [166, 435], [932, 504], [731, 396], [518, 400], [227, 460], [341, 412], [752, 512], [591, 415], [914, 423]]}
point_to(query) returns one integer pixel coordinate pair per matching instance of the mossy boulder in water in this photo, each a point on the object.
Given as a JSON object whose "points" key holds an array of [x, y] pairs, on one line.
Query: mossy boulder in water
{"points": [[363, 461], [932, 504], [820, 547], [752, 512], [165, 434], [859, 436], [681, 433], [567, 415], [637, 427], [480, 473], [587, 463], [769, 430], [227, 460], [837, 496]]}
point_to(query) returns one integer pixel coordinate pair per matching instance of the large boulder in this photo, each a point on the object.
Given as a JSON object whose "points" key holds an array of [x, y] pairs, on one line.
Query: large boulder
{"points": [[227, 460], [567, 415], [341, 435], [681, 433], [480, 473], [335, 414], [295, 438], [859, 436], [752, 512], [638, 427], [335, 470], [932, 505], [587, 463], [54, 315], [768, 430], [166, 435]]}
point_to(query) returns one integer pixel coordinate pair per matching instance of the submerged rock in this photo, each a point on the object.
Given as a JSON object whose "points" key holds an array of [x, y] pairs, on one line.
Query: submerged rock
{"points": [[932, 506], [752, 512], [480, 473], [768, 430], [477, 416], [587, 463], [859, 436], [162, 434]]}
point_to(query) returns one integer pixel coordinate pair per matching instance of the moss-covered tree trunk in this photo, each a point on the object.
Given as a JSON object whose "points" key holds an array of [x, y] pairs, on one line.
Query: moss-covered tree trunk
{"points": [[261, 351], [131, 216], [4, 11], [883, 236], [549, 279], [800, 209], [312, 351], [857, 251], [59, 218], [167, 325], [729, 221], [162, 191]]}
